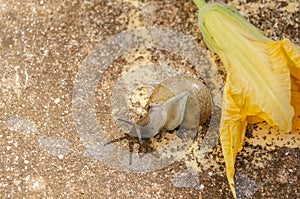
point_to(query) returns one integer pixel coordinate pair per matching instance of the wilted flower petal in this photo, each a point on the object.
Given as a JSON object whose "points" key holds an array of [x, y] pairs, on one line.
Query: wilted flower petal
{"points": [[263, 77]]}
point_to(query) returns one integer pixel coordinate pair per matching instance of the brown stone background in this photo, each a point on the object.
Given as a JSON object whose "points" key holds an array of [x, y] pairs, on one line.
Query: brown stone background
{"points": [[43, 44]]}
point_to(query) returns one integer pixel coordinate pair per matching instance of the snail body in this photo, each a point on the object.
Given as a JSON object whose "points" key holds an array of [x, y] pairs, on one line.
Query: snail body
{"points": [[177, 101]]}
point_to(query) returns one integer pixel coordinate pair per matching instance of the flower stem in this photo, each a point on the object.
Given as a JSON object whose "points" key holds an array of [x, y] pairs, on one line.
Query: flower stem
{"points": [[199, 3]]}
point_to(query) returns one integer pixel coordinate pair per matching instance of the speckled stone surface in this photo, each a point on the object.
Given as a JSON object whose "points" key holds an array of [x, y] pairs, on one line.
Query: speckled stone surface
{"points": [[44, 153]]}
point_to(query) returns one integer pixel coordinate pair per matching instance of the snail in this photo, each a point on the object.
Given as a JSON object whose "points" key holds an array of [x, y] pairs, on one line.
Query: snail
{"points": [[177, 101]]}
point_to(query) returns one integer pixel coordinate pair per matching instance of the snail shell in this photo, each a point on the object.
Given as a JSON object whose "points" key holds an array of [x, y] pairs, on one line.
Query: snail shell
{"points": [[177, 101]]}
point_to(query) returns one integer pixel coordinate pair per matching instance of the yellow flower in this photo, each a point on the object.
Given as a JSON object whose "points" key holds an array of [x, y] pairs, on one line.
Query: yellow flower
{"points": [[263, 77]]}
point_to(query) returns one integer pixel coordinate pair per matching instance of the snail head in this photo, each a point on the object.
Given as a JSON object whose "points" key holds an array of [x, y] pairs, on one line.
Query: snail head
{"points": [[135, 130], [168, 115]]}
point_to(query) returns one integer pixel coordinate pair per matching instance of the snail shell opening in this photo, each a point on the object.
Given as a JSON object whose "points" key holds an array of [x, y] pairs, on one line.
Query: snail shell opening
{"points": [[199, 102]]}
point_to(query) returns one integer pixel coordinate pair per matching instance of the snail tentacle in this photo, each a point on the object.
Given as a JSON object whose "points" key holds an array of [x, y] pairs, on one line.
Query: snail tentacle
{"points": [[135, 128], [138, 132]]}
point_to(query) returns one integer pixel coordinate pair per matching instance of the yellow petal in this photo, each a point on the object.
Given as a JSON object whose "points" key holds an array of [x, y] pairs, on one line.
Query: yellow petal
{"points": [[233, 122], [291, 53], [296, 104], [258, 84], [253, 63], [263, 77]]}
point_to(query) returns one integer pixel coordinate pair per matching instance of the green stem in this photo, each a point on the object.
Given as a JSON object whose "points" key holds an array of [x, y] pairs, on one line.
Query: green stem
{"points": [[199, 3]]}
